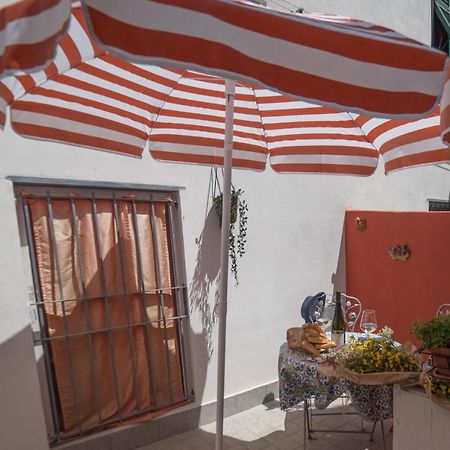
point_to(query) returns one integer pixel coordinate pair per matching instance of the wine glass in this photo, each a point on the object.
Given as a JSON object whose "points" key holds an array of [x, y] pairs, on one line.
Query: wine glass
{"points": [[368, 321]]}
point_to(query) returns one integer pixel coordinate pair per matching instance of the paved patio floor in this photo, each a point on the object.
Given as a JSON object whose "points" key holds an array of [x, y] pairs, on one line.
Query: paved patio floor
{"points": [[267, 427]]}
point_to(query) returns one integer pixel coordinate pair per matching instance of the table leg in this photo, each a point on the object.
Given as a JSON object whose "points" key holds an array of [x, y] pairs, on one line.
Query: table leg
{"points": [[373, 430], [305, 412], [382, 434]]}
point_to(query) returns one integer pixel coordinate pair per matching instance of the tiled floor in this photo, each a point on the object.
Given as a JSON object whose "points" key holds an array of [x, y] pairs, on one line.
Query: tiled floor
{"points": [[267, 427]]}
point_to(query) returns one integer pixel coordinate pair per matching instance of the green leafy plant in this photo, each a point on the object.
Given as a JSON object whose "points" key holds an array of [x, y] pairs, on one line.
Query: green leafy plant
{"points": [[439, 387], [237, 238], [434, 332]]}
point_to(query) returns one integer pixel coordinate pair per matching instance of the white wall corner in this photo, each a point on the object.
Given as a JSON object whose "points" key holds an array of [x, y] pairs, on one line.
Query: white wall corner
{"points": [[22, 425]]}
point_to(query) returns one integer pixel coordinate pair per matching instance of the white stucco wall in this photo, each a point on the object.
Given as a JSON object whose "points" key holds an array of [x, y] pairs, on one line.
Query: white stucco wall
{"points": [[294, 238], [409, 17], [22, 424]]}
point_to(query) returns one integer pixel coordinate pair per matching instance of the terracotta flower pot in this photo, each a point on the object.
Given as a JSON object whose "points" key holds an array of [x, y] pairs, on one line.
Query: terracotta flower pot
{"points": [[441, 361]]}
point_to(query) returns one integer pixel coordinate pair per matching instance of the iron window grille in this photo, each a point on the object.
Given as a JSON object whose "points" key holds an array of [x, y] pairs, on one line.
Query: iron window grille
{"points": [[53, 190]]}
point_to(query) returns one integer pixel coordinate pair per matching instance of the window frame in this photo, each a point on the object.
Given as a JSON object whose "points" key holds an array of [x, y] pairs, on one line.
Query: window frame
{"points": [[58, 188]]}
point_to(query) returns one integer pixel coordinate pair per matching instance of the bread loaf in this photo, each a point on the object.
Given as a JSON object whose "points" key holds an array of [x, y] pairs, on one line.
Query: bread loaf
{"points": [[309, 337]]}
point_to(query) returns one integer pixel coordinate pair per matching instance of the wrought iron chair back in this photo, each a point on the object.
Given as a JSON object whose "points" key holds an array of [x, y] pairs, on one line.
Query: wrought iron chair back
{"points": [[443, 310], [320, 308], [352, 308]]}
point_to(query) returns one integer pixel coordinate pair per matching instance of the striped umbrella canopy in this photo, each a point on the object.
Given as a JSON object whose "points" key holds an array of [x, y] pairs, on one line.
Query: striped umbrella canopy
{"points": [[91, 98], [445, 112], [337, 61], [29, 33]]}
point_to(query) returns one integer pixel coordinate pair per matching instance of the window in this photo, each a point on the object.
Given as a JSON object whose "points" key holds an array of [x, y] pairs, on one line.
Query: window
{"points": [[438, 205], [109, 302], [441, 25]]}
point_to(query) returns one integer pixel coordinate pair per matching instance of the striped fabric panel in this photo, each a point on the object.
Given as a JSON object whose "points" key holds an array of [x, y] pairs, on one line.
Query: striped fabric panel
{"points": [[29, 33], [406, 143], [89, 98], [341, 63], [191, 125], [6, 97], [2, 113], [445, 111], [306, 138], [75, 47], [103, 104]]}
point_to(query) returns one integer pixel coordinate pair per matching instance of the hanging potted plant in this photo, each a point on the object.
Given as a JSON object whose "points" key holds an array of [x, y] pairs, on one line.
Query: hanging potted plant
{"points": [[435, 336], [238, 233]]}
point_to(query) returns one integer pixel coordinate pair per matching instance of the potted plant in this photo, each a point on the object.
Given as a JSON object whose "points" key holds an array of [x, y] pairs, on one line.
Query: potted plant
{"points": [[373, 361], [435, 335], [236, 241]]}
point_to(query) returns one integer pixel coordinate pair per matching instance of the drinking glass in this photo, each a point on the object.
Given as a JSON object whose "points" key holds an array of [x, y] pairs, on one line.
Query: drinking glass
{"points": [[368, 321]]}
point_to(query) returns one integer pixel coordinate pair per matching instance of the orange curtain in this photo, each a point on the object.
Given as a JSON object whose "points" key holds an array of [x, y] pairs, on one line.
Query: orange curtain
{"points": [[107, 375]]}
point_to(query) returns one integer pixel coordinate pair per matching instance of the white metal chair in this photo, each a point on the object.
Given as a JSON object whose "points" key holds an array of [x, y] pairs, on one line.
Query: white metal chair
{"points": [[443, 310], [320, 308], [352, 311]]}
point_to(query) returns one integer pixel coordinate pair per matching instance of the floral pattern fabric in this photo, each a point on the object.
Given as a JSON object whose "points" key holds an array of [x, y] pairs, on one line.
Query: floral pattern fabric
{"points": [[299, 381]]}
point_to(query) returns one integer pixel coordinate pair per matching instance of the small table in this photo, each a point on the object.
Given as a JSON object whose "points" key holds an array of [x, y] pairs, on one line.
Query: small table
{"points": [[300, 381]]}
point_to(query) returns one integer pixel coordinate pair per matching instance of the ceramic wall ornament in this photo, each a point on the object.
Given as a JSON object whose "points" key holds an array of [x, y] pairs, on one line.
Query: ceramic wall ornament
{"points": [[361, 223], [400, 252]]}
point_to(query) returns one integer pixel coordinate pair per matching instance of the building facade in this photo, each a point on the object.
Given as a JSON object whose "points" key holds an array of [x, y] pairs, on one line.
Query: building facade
{"points": [[294, 249]]}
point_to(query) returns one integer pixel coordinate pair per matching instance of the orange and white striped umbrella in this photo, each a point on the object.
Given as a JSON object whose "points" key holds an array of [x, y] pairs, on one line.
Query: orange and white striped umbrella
{"points": [[340, 62], [299, 137], [29, 33], [89, 98]]}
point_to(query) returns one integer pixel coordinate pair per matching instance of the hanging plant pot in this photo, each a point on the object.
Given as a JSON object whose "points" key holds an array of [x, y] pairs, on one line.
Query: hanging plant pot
{"points": [[236, 243], [218, 206]]}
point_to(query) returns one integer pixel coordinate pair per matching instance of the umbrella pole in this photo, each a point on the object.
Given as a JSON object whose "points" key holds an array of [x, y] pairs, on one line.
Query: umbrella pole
{"points": [[223, 286]]}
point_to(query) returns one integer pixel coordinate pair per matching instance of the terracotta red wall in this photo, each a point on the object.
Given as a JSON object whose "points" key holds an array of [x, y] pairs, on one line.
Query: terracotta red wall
{"points": [[400, 292]]}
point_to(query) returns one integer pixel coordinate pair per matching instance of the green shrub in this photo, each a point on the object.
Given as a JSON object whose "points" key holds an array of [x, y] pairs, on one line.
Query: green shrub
{"points": [[434, 332]]}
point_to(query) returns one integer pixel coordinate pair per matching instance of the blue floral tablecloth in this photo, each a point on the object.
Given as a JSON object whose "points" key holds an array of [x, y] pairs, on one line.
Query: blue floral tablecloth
{"points": [[299, 380]]}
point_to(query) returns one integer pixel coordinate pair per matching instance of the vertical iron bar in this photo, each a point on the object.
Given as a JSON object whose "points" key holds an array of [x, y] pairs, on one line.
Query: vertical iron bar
{"points": [[63, 308], [144, 300], [156, 251], [180, 329], [106, 301], [126, 298], [51, 378], [86, 308]]}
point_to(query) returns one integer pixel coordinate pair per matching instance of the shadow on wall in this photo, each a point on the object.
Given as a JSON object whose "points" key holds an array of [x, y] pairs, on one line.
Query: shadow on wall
{"points": [[338, 279], [205, 277], [21, 419]]}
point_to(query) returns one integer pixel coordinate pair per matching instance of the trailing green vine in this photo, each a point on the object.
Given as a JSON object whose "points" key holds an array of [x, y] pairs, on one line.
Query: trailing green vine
{"points": [[237, 238]]}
